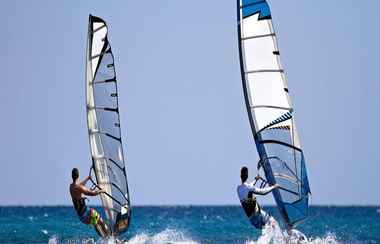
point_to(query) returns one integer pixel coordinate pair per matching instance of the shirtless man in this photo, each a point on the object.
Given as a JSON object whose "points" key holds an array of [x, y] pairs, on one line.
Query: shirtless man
{"points": [[86, 215]]}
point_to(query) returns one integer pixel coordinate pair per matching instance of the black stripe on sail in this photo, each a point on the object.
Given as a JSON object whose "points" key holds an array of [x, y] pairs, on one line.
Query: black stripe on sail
{"points": [[122, 193], [96, 19], [287, 190], [114, 199], [281, 143], [118, 188], [105, 81], [114, 162], [113, 137], [103, 51], [116, 110], [99, 28], [265, 71]]}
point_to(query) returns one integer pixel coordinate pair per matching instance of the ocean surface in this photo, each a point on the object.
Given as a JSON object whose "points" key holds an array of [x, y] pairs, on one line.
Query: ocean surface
{"points": [[189, 224]]}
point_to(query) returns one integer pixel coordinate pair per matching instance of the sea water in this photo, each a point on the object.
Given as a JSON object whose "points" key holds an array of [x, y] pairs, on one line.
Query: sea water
{"points": [[189, 224]]}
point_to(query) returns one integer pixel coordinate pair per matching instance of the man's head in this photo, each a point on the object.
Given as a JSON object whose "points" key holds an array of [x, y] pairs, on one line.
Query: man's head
{"points": [[75, 174], [244, 174]]}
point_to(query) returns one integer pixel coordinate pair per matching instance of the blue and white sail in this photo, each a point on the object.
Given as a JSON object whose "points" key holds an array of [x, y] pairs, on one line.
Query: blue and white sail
{"points": [[270, 111], [103, 121]]}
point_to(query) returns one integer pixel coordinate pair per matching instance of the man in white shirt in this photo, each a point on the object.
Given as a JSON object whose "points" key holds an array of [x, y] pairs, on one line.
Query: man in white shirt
{"points": [[246, 192]]}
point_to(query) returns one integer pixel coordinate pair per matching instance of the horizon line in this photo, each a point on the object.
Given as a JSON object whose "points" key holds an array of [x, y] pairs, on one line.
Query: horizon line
{"points": [[189, 205]]}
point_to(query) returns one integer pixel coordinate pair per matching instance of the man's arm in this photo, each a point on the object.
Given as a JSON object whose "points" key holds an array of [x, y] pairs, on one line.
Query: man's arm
{"points": [[84, 182], [262, 191], [88, 192]]}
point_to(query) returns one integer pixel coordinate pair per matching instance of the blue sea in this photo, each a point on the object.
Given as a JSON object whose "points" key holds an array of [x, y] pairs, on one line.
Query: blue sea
{"points": [[189, 224]]}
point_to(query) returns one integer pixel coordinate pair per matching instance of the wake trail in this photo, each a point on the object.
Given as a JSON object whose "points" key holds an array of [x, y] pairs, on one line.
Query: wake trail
{"points": [[272, 233], [164, 237]]}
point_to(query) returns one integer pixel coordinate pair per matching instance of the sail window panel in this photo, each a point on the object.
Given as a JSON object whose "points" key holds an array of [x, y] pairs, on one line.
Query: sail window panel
{"points": [[117, 177], [105, 71], [259, 54], [118, 187], [264, 116], [112, 149], [253, 27], [108, 122], [286, 168], [105, 95], [279, 132], [267, 89]]}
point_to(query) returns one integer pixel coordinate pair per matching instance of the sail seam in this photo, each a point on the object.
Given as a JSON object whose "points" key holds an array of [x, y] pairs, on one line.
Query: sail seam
{"points": [[99, 28], [281, 143], [270, 106], [104, 81], [264, 71], [257, 36]]}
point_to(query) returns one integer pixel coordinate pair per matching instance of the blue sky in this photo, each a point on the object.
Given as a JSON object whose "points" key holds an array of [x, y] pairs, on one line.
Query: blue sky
{"points": [[184, 123]]}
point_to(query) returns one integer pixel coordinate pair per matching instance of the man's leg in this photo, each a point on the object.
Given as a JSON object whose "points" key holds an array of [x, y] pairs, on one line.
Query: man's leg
{"points": [[100, 226], [98, 230], [104, 227]]}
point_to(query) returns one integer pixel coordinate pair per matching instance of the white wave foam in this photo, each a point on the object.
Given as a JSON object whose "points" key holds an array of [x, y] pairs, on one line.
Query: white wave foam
{"points": [[329, 238], [53, 240], [166, 236], [272, 233]]}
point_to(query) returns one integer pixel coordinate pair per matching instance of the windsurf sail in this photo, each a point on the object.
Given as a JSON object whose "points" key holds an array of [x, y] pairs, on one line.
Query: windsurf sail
{"points": [[103, 121], [270, 111]]}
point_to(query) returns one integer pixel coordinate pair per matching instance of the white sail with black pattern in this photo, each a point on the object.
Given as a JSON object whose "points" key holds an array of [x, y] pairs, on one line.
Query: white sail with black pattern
{"points": [[270, 111], [104, 127]]}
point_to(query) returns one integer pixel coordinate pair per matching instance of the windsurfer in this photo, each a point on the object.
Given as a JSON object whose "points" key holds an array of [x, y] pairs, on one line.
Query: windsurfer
{"points": [[86, 215], [246, 192]]}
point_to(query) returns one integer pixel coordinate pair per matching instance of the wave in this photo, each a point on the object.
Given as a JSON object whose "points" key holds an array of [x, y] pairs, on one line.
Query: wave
{"points": [[272, 233], [166, 236]]}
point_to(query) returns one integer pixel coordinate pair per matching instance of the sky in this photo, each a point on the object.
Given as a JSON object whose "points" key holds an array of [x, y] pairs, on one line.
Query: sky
{"points": [[184, 123]]}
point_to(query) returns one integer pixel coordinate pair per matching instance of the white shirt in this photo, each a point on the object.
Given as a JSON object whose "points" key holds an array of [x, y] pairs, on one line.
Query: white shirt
{"points": [[245, 188]]}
